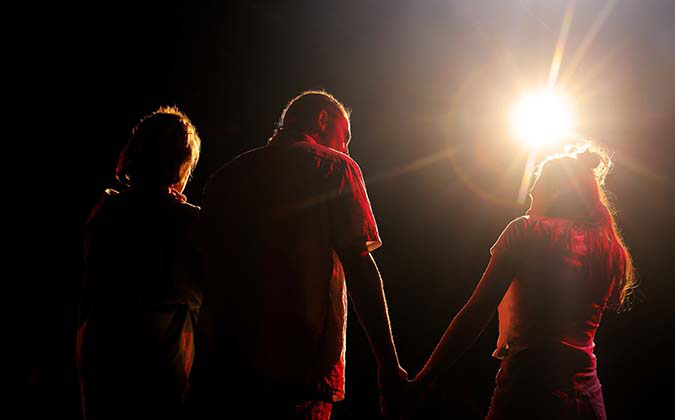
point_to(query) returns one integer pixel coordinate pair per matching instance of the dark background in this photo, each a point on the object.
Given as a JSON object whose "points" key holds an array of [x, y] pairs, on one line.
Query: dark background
{"points": [[430, 84]]}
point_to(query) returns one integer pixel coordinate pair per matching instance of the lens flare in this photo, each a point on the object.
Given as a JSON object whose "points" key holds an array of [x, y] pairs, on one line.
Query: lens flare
{"points": [[542, 117]]}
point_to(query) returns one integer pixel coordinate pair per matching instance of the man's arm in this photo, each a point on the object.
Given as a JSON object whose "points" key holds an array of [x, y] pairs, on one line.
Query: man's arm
{"points": [[367, 294]]}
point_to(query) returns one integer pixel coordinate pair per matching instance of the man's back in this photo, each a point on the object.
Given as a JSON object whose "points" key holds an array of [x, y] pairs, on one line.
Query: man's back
{"points": [[273, 220]]}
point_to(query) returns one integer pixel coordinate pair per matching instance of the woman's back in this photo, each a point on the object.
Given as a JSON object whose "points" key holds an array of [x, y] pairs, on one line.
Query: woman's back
{"points": [[564, 278], [140, 302], [551, 275], [136, 241], [140, 298]]}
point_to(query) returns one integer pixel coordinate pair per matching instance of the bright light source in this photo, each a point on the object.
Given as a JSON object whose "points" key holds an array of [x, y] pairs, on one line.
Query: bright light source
{"points": [[541, 118]]}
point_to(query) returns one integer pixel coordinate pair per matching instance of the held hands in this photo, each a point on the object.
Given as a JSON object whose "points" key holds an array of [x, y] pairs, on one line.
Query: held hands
{"points": [[393, 388], [419, 391], [401, 398]]}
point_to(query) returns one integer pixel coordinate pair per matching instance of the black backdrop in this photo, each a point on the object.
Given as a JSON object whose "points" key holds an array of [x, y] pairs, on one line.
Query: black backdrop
{"points": [[430, 85]]}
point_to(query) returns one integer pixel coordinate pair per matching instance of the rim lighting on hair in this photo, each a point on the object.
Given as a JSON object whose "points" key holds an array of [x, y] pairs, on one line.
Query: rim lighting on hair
{"points": [[542, 117]]}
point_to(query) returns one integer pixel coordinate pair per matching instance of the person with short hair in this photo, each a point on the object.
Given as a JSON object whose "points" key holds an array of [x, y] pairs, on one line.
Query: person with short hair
{"points": [[551, 275], [140, 299], [284, 226]]}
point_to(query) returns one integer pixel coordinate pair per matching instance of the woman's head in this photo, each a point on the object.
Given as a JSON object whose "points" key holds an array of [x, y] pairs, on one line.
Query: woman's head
{"points": [[571, 186], [162, 151]]}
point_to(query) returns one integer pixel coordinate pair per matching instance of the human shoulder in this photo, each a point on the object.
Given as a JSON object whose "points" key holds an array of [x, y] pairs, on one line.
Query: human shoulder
{"points": [[514, 235], [328, 162], [108, 198], [340, 163], [190, 208], [519, 224], [535, 231], [324, 153], [236, 163], [544, 226], [186, 210]]}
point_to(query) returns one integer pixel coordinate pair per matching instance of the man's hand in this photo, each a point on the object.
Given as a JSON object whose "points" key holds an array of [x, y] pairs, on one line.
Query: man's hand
{"points": [[367, 295]]}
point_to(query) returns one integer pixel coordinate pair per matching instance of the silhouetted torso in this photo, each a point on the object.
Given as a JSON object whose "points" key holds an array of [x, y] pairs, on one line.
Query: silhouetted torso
{"points": [[275, 305], [139, 306], [549, 316], [560, 290]]}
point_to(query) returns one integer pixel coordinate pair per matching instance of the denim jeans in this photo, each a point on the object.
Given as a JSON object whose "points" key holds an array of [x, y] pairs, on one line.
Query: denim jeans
{"points": [[537, 386]]}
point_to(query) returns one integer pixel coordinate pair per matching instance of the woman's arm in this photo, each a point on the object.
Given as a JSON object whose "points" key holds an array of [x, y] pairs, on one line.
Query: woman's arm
{"points": [[471, 320]]}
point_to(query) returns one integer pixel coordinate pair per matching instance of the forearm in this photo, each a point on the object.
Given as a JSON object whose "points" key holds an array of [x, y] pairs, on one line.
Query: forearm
{"points": [[367, 294], [470, 322], [462, 332]]}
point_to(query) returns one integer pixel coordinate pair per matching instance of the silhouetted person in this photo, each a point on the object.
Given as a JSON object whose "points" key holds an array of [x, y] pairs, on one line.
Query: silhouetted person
{"points": [[551, 275], [140, 302], [285, 225]]}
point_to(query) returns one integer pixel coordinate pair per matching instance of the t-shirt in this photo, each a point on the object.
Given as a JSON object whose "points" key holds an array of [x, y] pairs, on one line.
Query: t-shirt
{"points": [[561, 287], [274, 218]]}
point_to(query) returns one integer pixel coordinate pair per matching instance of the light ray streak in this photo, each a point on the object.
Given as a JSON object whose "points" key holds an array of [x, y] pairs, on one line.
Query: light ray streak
{"points": [[588, 39], [558, 54], [642, 170], [413, 166], [560, 45], [527, 177]]}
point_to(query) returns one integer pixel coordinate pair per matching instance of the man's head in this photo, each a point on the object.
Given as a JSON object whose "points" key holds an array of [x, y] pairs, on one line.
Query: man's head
{"points": [[319, 115]]}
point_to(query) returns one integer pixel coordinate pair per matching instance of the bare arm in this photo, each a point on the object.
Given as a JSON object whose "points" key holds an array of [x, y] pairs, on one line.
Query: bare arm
{"points": [[367, 294], [471, 320]]}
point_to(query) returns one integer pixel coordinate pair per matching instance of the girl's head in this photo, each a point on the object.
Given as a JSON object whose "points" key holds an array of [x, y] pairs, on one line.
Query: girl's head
{"points": [[570, 186], [162, 151]]}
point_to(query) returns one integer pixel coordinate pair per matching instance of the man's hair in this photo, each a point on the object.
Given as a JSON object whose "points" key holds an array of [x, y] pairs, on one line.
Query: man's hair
{"points": [[162, 151], [301, 112]]}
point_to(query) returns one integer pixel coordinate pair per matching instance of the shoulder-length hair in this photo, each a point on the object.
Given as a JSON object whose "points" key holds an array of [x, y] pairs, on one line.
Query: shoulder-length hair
{"points": [[575, 182], [162, 151]]}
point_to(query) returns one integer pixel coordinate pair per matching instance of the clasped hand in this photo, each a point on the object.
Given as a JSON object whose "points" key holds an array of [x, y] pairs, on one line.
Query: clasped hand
{"points": [[401, 398]]}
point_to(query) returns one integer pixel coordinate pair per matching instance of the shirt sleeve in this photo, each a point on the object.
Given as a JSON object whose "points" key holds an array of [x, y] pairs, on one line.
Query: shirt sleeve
{"points": [[352, 219], [511, 244]]}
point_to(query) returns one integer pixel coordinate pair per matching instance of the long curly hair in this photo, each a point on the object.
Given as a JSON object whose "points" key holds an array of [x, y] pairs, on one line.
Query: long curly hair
{"points": [[574, 184]]}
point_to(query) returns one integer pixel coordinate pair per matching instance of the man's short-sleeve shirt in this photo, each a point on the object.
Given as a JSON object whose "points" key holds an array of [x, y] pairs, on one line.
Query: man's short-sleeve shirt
{"points": [[274, 218]]}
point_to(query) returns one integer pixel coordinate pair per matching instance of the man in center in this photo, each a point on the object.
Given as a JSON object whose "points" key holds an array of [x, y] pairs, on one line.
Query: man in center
{"points": [[288, 229]]}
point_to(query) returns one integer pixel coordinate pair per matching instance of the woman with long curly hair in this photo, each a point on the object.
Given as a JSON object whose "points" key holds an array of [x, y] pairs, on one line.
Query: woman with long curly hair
{"points": [[551, 275]]}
